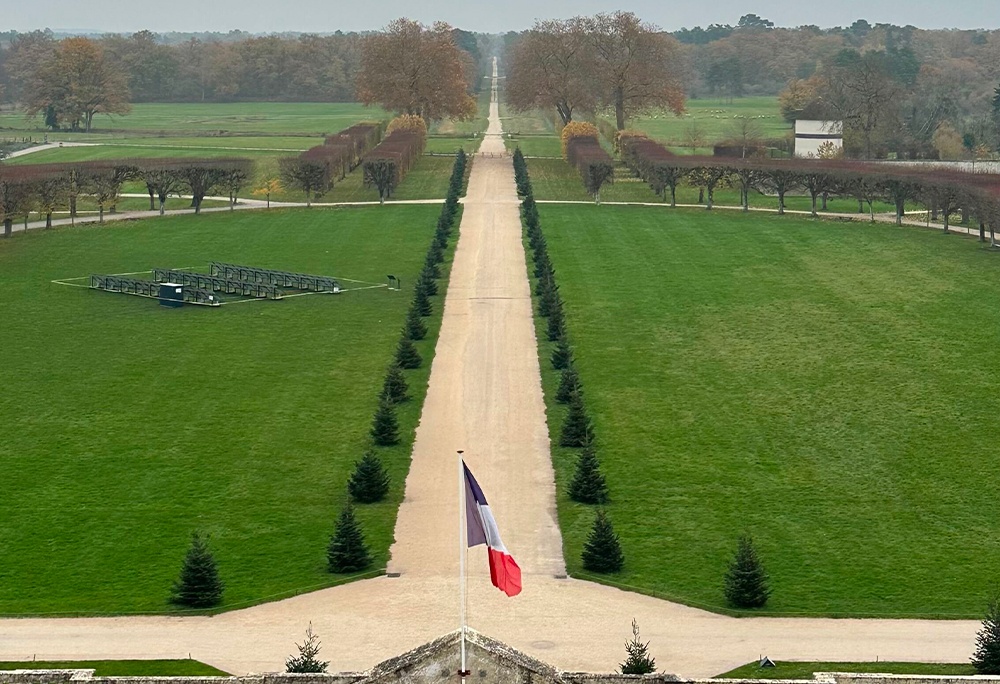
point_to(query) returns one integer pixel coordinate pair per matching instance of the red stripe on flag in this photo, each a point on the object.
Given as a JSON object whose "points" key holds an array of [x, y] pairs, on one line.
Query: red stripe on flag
{"points": [[505, 572]]}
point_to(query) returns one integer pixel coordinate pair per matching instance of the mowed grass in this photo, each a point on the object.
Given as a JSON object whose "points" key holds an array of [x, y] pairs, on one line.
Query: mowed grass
{"points": [[130, 426], [216, 118], [716, 120], [831, 388], [794, 670], [123, 668]]}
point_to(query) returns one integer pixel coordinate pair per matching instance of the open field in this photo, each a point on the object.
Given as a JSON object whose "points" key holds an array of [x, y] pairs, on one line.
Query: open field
{"points": [[830, 388], [243, 118], [795, 670], [129, 426], [123, 668], [715, 118], [536, 133]]}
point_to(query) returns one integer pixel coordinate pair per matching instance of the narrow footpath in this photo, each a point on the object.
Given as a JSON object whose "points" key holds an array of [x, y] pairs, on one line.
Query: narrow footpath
{"points": [[484, 397]]}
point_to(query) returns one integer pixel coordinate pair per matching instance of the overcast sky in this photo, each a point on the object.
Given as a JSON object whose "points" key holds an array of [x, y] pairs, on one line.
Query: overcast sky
{"points": [[472, 15]]}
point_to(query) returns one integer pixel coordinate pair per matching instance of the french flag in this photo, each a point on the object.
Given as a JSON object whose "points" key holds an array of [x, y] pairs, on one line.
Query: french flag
{"points": [[481, 528]]}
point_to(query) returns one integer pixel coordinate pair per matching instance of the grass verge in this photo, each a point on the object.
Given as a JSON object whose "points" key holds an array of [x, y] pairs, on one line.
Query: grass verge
{"points": [[792, 670], [123, 668]]}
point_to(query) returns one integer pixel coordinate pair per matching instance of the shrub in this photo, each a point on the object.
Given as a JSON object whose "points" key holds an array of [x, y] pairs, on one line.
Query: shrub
{"points": [[427, 283], [306, 660], [199, 585], [407, 355], [395, 387], [638, 662], [588, 485], [415, 328], [986, 658], [603, 550], [569, 384], [577, 129], [562, 355], [347, 551], [369, 482], [576, 430], [746, 583], [422, 302], [385, 428]]}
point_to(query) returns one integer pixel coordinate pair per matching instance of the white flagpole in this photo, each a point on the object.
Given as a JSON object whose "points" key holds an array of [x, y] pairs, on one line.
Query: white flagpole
{"points": [[461, 555]]}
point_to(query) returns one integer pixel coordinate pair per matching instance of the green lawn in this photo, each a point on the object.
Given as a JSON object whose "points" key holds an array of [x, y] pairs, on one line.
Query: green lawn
{"points": [[247, 118], [790, 670], [123, 668], [536, 133], [128, 426], [716, 119], [831, 388]]}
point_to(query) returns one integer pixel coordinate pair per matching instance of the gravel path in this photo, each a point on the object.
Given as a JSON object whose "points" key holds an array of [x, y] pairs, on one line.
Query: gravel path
{"points": [[484, 397]]}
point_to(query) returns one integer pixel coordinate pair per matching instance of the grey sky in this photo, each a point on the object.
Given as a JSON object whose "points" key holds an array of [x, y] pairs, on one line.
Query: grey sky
{"points": [[502, 15]]}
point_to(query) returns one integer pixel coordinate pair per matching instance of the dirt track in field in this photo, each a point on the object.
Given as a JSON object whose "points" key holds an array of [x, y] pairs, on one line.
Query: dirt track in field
{"points": [[484, 397]]}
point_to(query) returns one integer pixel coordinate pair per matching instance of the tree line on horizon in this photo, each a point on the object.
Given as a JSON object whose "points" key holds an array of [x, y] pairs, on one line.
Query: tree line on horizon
{"points": [[899, 89]]}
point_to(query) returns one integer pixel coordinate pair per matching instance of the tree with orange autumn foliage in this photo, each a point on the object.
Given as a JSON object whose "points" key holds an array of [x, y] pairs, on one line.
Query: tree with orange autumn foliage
{"points": [[409, 68], [74, 82]]}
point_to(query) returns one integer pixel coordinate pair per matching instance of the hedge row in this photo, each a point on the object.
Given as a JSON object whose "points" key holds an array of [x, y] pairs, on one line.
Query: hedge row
{"points": [[47, 188], [946, 192], [584, 152], [314, 170], [387, 164]]}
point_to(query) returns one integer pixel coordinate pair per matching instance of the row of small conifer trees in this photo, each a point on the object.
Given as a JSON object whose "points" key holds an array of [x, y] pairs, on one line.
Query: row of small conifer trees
{"points": [[745, 583], [199, 584], [602, 551]]}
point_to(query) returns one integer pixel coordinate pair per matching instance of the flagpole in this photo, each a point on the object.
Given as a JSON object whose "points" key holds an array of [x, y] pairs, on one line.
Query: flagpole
{"points": [[462, 673]]}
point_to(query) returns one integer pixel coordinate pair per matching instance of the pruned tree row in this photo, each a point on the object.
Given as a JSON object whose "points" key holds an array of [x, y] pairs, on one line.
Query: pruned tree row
{"points": [[388, 163], [582, 149], [945, 192], [314, 171], [49, 188]]}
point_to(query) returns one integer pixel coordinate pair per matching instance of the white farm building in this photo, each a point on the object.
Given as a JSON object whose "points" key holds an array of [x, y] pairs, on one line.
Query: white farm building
{"points": [[809, 135]]}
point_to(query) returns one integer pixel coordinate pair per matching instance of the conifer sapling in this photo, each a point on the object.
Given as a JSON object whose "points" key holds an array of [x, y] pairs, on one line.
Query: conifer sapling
{"points": [[385, 428], [306, 660], [369, 482], [562, 355], [569, 384], [422, 302], [986, 658], [602, 551], [347, 551], [588, 485], [576, 430], [395, 387], [407, 355], [638, 662], [199, 585], [415, 328], [746, 584]]}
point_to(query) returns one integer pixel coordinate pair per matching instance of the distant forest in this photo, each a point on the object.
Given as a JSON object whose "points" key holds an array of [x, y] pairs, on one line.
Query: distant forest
{"points": [[958, 69]]}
